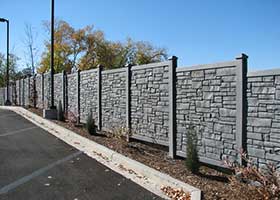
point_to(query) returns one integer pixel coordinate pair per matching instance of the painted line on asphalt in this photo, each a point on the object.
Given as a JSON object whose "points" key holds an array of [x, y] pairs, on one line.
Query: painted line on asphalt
{"points": [[36, 173], [8, 115], [18, 131]]}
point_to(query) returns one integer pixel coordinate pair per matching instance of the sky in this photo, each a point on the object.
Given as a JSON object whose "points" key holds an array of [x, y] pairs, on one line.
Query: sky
{"points": [[196, 31]]}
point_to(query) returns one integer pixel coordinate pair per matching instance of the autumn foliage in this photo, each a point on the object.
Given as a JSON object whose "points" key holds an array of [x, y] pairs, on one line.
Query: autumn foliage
{"points": [[86, 48]]}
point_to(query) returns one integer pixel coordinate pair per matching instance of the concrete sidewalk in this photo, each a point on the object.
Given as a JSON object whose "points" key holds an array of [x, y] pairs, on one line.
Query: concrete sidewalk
{"points": [[37, 165]]}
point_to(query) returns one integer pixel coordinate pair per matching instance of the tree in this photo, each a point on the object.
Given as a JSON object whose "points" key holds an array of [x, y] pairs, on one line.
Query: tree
{"points": [[87, 48], [2, 70], [12, 68], [117, 54], [31, 52], [146, 53], [68, 44]]}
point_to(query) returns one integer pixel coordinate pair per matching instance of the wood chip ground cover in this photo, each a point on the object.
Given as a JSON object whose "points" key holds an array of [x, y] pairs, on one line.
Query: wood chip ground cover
{"points": [[175, 194]]}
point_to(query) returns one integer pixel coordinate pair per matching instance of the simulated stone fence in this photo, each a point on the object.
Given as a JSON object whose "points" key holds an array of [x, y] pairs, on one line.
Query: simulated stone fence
{"points": [[88, 94], [150, 102], [38, 88], [47, 90], [17, 92], [158, 103], [113, 98], [72, 94], [26, 91], [2, 96], [207, 98], [263, 122], [58, 89]]}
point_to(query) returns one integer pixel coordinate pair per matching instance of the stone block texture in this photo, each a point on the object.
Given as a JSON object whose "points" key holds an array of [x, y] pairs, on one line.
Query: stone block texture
{"points": [[150, 104], [58, 87], [47, 91], [39, 102], [72, 107], [263, 122], [26, 92], [113, 101], [2, 96], [13, 93], [88, 94], [207, 99], [32, 91], [18, 99]]}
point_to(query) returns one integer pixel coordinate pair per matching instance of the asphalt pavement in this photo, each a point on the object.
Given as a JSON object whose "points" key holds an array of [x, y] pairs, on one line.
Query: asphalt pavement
{"points": [[36, 165]]}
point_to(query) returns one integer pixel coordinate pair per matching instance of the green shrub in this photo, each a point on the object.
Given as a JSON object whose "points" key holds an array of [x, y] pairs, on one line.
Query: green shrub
{"points": [[192, 160], [60, 112], [90, 125]]}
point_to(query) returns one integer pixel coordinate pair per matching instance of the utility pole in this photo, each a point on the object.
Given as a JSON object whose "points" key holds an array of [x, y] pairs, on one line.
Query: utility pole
{"points": [[7, 102]]}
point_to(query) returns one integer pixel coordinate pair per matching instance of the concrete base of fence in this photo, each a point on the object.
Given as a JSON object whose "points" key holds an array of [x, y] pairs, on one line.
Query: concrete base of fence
{"points": [[143, 175], [50, 113], [8, 103]]}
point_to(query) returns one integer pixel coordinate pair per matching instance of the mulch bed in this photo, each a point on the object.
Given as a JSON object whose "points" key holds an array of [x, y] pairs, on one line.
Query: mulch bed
{"points": [[213, 182]]}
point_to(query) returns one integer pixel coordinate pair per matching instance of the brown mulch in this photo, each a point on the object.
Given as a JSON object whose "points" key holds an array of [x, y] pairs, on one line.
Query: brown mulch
{"points": [[177, 194], [213, 182]]}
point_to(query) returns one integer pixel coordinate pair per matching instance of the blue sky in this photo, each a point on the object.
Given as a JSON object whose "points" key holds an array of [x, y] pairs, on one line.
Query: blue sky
{"points": [[197, 32]]}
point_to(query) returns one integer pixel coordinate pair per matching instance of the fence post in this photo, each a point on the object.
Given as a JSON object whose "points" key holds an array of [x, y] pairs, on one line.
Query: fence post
{"points": [[63, 90], [34, 90], [99, 96], [23, 92], [78, 96], [43, 90], [128, 100], [11, 95], [19, 92], [28, 91], [241, 104], [66, 92], [172, 106]]}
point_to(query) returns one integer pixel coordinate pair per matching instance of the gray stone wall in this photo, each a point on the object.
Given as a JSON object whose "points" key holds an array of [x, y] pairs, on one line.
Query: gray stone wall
{"points": [[26, 92], [150, 104], [211, 97], [31, 91], [72, 94], [113, 99], [207, 99], [263, 122], [58, 88], [39, 102], [18, 92], [88, 98], [47, 91], [22, 92], [2, 96]]}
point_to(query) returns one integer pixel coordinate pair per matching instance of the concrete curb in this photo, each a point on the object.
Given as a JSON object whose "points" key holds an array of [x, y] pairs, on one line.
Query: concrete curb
{"points": [[141, 174]]}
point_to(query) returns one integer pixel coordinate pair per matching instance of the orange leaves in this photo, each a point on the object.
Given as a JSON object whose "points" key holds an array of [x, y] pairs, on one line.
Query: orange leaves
{"points": [[86, 48]]}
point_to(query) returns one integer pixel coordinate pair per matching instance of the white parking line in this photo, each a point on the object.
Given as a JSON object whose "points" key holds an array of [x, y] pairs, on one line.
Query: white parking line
{"points": [[36, 173], [18, 131], [8, 115]]}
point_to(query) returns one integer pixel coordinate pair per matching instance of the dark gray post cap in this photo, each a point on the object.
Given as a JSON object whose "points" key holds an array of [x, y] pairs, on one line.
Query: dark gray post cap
{"points": [[173, 58], [100, 66], [242, 56], [128, 65]]}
